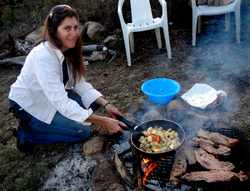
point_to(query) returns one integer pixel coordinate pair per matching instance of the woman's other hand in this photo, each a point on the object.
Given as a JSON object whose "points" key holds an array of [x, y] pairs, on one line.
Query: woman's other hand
{"points": [[113, 126], [109, 107]]}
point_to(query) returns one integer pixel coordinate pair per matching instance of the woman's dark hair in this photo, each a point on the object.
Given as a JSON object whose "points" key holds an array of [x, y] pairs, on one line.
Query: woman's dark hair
{"points": [[73, 55]]}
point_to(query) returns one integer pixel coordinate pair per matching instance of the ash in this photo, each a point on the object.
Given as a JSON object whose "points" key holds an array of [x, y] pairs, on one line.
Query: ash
{"points": [[72, 173]]}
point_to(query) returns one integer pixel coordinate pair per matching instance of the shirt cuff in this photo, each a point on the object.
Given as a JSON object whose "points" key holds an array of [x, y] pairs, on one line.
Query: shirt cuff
{"points": [[86, 116], [90, 97]]}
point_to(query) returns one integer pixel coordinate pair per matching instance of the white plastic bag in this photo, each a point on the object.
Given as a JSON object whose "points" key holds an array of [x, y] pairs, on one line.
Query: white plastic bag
{"points": [[202, 95]]}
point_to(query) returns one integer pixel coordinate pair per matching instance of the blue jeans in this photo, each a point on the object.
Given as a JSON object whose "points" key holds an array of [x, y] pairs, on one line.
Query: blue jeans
{"points": [[61, 129]]}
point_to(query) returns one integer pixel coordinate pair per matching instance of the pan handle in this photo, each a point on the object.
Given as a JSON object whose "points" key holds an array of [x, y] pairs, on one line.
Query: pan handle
{"points": [[129, 124]]}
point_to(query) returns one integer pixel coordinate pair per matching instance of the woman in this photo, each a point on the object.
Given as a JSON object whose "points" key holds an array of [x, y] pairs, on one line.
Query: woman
{"points": [[50, 95]]}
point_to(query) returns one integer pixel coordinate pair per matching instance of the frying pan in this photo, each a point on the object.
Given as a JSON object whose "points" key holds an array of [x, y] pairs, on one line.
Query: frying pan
{"points": [[137, 132]]}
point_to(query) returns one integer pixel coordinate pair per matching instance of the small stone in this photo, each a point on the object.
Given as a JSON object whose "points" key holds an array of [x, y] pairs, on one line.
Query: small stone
{"points": [[116, 187], [93, 146], [110, 41]]}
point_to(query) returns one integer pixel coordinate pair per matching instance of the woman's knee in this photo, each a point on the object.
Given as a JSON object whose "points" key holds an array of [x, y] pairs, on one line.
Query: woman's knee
{"points": [[84, 132]]}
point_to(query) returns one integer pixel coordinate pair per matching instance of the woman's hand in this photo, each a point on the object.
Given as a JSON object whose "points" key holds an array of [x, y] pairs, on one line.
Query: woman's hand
{"points": [[112, 110], [113, 126]]}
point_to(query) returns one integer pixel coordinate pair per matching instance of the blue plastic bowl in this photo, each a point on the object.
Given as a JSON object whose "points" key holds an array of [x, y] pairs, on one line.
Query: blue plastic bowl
{"points": [[160, 90]]}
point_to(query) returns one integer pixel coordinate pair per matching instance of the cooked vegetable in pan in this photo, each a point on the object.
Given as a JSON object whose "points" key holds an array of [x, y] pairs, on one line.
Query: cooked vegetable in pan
{"points": [[156, 139]]}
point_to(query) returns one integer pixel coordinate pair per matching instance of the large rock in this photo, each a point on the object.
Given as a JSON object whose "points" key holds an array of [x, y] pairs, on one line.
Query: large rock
{"points": [[35, 36], [94, 30]]}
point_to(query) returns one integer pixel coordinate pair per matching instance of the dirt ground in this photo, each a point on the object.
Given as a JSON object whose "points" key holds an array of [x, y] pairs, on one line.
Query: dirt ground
{"points": [[216, 60]]}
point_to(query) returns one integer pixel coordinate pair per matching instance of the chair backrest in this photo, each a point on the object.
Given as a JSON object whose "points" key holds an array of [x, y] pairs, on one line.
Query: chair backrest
{"points": [[215, 10], [141, 11], [232, 3]]}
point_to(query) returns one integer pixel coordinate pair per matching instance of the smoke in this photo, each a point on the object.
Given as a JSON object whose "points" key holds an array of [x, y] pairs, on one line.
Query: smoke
{"points": [[219, 60], [147, 111]]}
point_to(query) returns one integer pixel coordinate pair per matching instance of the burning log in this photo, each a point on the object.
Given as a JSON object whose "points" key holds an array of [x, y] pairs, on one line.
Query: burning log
{"points": [[148, 166], [217, 138], [209, 162]]}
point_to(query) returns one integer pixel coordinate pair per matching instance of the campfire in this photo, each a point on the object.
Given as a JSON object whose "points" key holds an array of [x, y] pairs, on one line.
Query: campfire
{"points": [[147, 166], [211, 158]]}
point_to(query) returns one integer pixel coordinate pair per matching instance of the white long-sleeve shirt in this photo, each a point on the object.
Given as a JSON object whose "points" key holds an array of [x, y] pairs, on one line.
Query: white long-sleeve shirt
{"points": [[40, 91]]}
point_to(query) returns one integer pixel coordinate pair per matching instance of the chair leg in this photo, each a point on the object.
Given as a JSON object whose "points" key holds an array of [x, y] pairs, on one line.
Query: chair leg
{"points": [[132, 44], [227, 21], [158, 37], [127, 47], [194, 29], [237, 23], [199, 24], [167, 41]]}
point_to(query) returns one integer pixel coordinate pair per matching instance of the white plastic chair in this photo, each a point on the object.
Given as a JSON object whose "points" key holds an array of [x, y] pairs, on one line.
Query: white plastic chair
{"points": [[142, 20], [204, 10]]}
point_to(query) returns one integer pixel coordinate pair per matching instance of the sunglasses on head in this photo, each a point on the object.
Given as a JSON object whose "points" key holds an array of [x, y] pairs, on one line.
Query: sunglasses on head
{"points": [[59, 9]]}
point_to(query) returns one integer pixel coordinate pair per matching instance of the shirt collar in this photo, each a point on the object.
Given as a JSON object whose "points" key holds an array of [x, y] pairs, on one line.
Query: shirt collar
{"points": [[57, 51]]}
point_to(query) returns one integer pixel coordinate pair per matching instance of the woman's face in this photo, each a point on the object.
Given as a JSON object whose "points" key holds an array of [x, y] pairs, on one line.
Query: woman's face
{"points": [[68, 33]]}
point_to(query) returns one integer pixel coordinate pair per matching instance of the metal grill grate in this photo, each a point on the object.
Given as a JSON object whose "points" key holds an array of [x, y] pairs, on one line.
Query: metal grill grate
{"points": [[162, 172]]}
